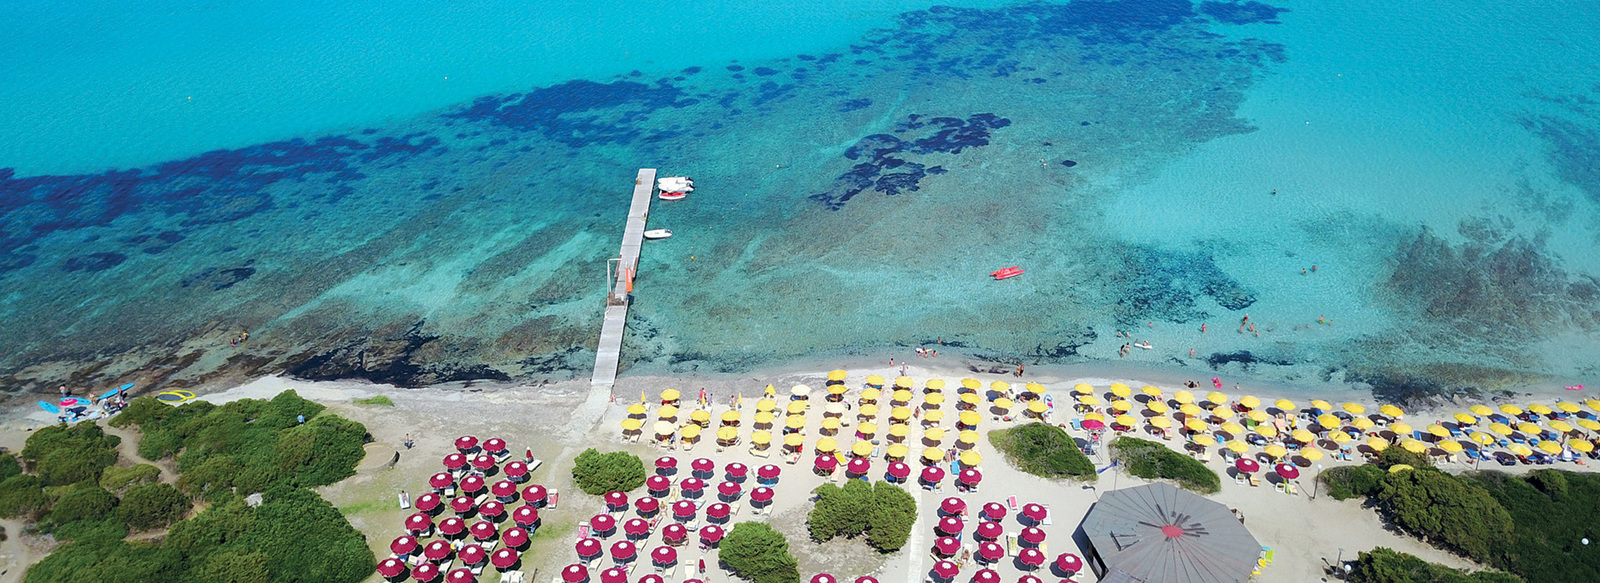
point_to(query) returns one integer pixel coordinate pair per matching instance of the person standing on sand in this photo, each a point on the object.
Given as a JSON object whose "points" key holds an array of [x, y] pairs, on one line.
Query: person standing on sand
{"points": [[1019, 370]]}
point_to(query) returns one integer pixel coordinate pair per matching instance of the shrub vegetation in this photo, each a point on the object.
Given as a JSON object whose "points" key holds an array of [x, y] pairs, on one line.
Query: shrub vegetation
{"points": [[378, 400], [67, 454], [756, 552], [597, 473], [1042, 450], [883, 512], [1381, 565], [1151, 460]]}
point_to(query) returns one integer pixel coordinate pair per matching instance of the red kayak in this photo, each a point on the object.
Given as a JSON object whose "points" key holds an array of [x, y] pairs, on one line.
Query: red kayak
{"points": [[665, 195], [1007, 273]]}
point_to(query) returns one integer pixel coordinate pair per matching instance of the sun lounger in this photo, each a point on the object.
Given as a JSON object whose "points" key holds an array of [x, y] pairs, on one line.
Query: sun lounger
{"points": [[1292, 489], [1239, 479], [1047, 518], [554, 496], [1011, 501], [476, 570], [761, 453], [1255, 481], [734, 509]]}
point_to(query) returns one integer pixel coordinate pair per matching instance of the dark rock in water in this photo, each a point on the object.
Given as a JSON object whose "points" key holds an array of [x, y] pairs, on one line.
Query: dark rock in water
{"points": [[1242, 12], [1243, 357], [93, 262], [219, 279], [395, 360], [882, 152], [1068, 163], [735, 68], [764, 71], [1162, 285], [854, 104]]}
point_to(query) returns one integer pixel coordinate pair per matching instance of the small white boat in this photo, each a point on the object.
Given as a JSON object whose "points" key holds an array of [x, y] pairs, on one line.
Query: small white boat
{"points": [[657, 234], [665, 195], [675, 184]]}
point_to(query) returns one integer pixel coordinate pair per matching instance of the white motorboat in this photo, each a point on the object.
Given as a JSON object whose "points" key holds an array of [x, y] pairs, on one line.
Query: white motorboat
{"points": [[657, 234], [675, 184]]}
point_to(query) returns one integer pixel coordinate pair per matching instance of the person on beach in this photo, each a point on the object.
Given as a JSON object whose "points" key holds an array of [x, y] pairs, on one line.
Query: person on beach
{"points": [[1019, 370], [65, 391]]}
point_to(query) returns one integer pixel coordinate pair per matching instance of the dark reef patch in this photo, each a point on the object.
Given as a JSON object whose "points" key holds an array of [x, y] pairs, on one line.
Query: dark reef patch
{"points": [[1574, 151], [1242, 12], [219, 279], [577, 113], [1244, 358], [854, 104], [1155, 284], [401, 360], [93, 262], [883, 153]]}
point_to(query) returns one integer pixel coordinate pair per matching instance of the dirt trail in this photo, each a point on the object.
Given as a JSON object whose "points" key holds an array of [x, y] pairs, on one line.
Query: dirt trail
{"points": [[129, 450]]}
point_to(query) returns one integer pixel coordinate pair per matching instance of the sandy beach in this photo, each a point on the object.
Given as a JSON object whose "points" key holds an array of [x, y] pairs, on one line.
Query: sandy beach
{"points": [[556, 421]]}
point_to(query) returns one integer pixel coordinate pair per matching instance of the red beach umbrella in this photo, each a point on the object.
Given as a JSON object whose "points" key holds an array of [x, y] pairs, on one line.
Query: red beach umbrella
{"points": [[455, 461], [534, 494], [437, 550], [466, 443], [472, 484], [495, 445], [462, 504], [504, 558], [675, 532], [950, 525], [492, 509], [589, 548], [953, 505], [525, 515], [859, 466], [932, 474], [514, 537], [418, 523], [1247, 465], [657, 484], [623, 550], [710, 534], [946, 570], [1034, 512], [1031, 557], [472, 555], [1287, 471], [1032, 535], [762, 494], [651, 578], [768, 472], [462, 575], [703, 465], [646, 505], [442, 480], [692, 485], [404, 545], [970, 477], [899, 470], [452, 526], [574, 573], [729, 489], [991, 552], [683, 509], [503, 489], [428, 502], [946, 545], [990, 530], [515, 470], [483, 461], [823, 578], [666, 462], [664, 555], [483, 530], [827, 463], [736, 470], [636, 526], [602, 523], [616, 499], [391, 568], [994, 511], [425, 573], [866, 579], [719, 510], [1029, 579], [1093, 424], [986, 576], [613, 575]]}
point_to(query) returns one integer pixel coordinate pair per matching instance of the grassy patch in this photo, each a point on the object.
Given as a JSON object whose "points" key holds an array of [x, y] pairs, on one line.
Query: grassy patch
{"points": [[365, 506], [378, 400], [1043, 450], [1151, 460]]}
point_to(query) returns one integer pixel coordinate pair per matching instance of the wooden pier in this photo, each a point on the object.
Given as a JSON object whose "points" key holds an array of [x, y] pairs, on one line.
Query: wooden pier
{"points": [[619, 281]]}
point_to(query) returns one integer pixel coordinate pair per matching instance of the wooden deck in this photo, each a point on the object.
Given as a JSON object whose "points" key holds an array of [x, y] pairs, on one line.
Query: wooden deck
{"points": [[609, 353]]}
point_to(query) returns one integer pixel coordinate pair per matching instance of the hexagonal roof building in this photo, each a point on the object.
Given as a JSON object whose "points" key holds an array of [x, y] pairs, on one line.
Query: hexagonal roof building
{"points": [[1159, 533]]}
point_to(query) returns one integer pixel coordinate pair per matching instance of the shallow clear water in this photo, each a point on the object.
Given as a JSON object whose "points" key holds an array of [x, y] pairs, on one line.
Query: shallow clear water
{"points": [[1155, 166]]}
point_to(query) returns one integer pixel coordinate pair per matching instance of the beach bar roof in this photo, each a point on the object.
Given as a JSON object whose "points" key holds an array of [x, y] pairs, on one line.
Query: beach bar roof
{"points": [[1160, 533]]}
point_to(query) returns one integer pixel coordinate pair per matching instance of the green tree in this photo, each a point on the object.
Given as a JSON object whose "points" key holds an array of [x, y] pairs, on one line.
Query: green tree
{"points": [[152, 506], [756, 552], [233, 567], [1346, 482], [891, 517], [598, 473], [118, 479], [1042, 450], [9, 466], [1382, 565], [219, 525], [67, 454], [85, 501], [23, 497], [840, 511], [1449, 511], [306, 540]]}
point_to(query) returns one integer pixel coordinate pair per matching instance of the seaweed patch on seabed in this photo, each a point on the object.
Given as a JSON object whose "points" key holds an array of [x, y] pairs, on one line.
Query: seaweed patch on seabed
{"points": [[884, 167], [1162, 285]]}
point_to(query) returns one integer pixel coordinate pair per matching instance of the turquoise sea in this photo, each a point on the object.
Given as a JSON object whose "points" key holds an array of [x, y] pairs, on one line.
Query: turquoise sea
{"points": [[1405, 196]]}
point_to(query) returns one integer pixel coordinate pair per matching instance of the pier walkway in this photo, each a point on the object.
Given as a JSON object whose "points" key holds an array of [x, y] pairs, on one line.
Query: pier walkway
{"points": [[620, 282]]}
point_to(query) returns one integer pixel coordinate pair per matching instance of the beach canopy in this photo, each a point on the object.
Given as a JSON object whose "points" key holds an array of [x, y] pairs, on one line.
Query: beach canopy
{"points": [[1181, 537], [953, 505], [932, 474], [946, 569], [994, 511], [970, 477], [1033, 535], [588, 547], [837, 375], [711, 533], [390, 568], [762, 494], [1069, 562], [991, 552], [514, 537], [990, 530]]}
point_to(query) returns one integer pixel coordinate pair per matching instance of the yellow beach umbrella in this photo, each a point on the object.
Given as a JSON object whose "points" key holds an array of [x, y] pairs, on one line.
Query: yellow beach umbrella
{"points": [[1482, 437], [1361, 423], [1258, 416], [665, 428], [1237, 446], [936, 416], [1321, 405], [700, 416], [838, 389], [971, 384], [870, 395], [1191, 424], [1589, 424], [1083, 389], [1274, 450], [631, 424], [1340, 437], [797, 440], [637, 409], [904, 382], [1250, 401], [1466, 419], [1481, 410], [1329, 421], [1397, 468], [1510, 409], [973, 399], [861, 448], [1391, 411], [693, 431], [868, 428], [1183, 397], [1003, 403], [1354, 408], [875, 380], [1400, 428], [1232, 428], [1568, 406], [1204, 440], [727, 434], [766, 405], [1592, 404], [764, 418], [1216, 398], [937, 385], [1000, 386], [1520, 449], [1034, 388], [1094, 416], [1549, 447], [1311, 453], [670, 395], [1284, 404], [968, 437], [1414, 446], [667, 412], [897, 451], [1303, 436], [933, 454], [1086, 400], [868, 410], [1438, 430], [1222, 413], [1582, 445], [1266, 430], [761, 437], [831, 423], [1126, 420], [900, 414], [1501, 428], [1120, 405], [837, 375], [796, 407], [901, 396], [970, 418], [795, 421], [1151, 390], [1526, 427], [1539, 409], [1377, 443], [1156, 406], [899, 430], [729, 416], [933, 433], [1191, 410], [934, 399], [1161, 422], [1036, 406], [1121, 390], [827, 444], [1451, 446], [971, 458]]}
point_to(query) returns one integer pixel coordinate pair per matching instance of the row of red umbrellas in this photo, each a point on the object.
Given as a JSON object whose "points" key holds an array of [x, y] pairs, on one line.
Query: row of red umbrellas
{"points": [[467, 444], [1250, 466], [504, 489], [734, 470]]}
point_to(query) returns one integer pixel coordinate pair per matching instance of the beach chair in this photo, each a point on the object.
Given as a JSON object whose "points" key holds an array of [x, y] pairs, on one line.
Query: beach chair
{"points": [[1266, 555], [1280, 487], [1011, 501], [734, 508], [1291, 489], [555, 496], [1204, 455], [1255, 481], [1048, 520], [1239, 479], [761, 453]]}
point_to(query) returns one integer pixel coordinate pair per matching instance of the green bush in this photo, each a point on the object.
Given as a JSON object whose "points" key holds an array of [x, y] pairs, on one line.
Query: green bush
{"points": [[9, 466], [840, 511], [67, 454], [233, 567], [598, 473], [1399, 455], [756, 552], [152, 506], [118, 479], [23, 497], [85, 502], [1381, 565], [306, 540], [109, 560], [219, 525], [1451, 512], [1552, 511], [1042, 450], [1346, 482], [378, 400], [1151, 460], [158, 445], [893, 514]]}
